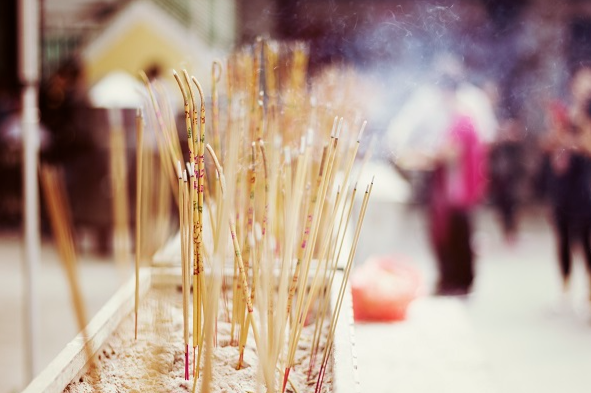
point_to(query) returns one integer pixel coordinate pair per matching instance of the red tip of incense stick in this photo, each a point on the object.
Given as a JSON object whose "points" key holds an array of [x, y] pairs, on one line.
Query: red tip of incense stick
{"points": [[186, 362], [285, 377], [320, 378]]}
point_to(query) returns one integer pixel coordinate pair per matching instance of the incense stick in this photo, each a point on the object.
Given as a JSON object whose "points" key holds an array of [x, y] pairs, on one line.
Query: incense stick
{"points": [[332, 270], [287, 220], [59, 218], [242, 273], [216, 75], [167, 150], [139, 126], [200, 174], [341, 294], [120, 207], [182, 218]]}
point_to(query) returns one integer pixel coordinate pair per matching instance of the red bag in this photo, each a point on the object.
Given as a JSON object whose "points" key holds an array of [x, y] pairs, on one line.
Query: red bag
{"points": [[383, 287]]}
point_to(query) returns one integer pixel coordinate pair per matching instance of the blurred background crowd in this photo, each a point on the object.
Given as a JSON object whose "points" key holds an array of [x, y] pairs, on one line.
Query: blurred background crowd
{"points": [[519, 54], [472, 104]]}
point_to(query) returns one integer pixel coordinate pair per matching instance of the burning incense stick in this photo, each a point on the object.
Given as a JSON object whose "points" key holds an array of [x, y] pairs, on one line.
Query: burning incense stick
{"points": [[59, 218], [216, 75], [323, 187], [341, 294], [200, 174], [194, 185], [118, 172], [332, 271], [167, 149], [283, 218], [188, 120], [331, 220], [184, 273], [242, 273], [139, 126], [190, 108]]}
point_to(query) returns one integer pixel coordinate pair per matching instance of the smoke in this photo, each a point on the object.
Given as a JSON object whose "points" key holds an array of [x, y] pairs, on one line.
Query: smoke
{"points": [[522, 47]]}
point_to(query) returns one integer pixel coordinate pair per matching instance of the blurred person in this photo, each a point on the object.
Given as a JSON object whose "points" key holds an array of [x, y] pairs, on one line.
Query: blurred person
{"points": [[441, 133], [61, 96], [506, 172], [506, 169], [568, 148]]}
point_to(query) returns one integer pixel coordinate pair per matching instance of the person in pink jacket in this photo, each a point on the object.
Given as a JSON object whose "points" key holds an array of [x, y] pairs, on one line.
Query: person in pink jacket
{"points": [[456, 185], [442, 132]]}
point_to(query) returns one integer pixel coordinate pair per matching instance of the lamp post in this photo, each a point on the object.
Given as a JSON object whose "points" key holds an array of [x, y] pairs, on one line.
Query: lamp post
{"points": [[29, 76]]}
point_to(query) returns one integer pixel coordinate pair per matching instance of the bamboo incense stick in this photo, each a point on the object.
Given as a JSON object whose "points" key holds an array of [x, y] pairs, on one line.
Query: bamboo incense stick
{"points": [[242, 273], [327, 267], [169, 131], [167, 150], [307, 231], [189, 107], [341, 294], [282, 314], [284, 217], [139, 126], [249, 247], [303, 306], [194, 186], [216, 75], [331, 221], [324, 308], [59, 217], [303, 251], [309, 248], [182, 218], [119, 197], [200, 191], [324, 256], [188, 120]]}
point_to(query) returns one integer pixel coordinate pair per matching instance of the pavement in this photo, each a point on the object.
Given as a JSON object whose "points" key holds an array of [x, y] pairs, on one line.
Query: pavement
{"points": [[513, 334], [56, 323]]}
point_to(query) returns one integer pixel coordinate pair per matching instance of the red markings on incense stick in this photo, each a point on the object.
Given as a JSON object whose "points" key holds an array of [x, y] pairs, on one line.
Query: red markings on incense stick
{"points": [[186, 362]]}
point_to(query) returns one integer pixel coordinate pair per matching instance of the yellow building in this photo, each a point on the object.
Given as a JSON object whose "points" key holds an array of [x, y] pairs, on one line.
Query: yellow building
{"points": [[144, 36]]}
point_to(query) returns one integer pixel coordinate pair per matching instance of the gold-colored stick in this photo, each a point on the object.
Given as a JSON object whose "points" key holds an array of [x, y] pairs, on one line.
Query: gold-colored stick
{"points": [[120, 201], [319, 206], [216, 75], [343, 223], [166, 146], [326, 241], [290, 236], [60, 220], [245, 290], [193, 186], [200, 191], [139, 126], [182, 218], [341, 295]]}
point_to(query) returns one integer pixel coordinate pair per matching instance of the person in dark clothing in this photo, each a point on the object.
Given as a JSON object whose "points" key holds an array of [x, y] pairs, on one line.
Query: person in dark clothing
{"points": [[506, 172], [569, 183]]}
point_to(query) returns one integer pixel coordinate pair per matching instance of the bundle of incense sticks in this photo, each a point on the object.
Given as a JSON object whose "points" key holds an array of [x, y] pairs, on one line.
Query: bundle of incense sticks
{"points": [[278, 198]]}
